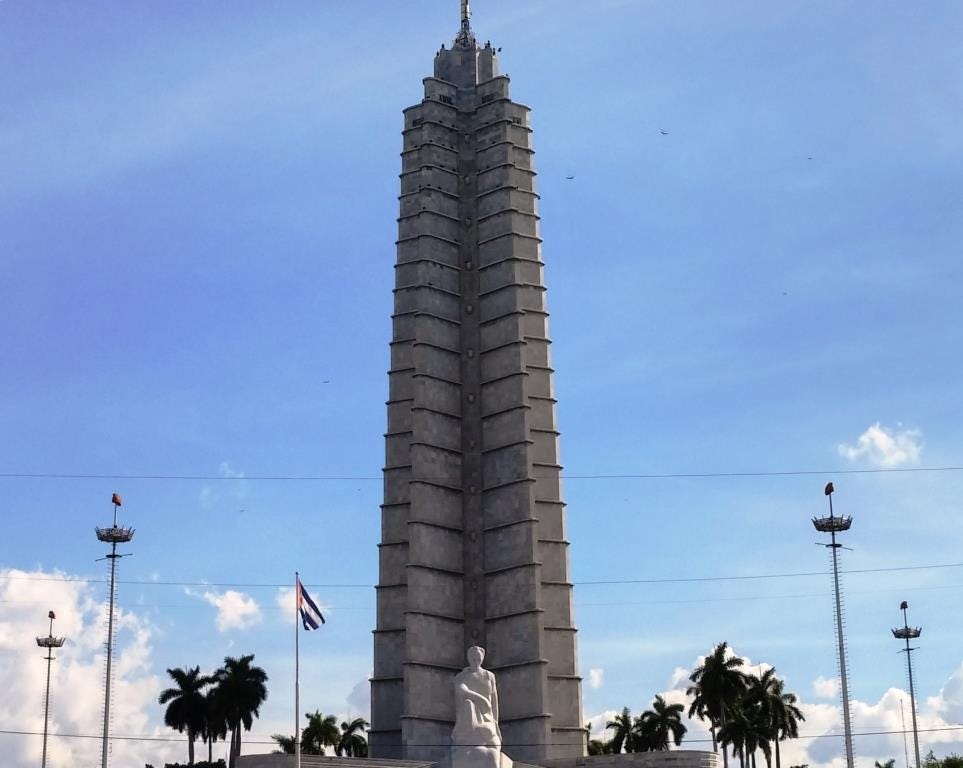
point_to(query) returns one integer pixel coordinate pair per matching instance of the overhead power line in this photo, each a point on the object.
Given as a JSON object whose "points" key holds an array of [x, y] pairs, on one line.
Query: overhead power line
{"points": [[759, 576], [578, 604], [260, 740], [369, 478], [603, 582]]}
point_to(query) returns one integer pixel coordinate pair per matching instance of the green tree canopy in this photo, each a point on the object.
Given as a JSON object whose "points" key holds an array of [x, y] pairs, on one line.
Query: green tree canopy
{"points": [[656, 727], [352, 742], [321, 731], [186, 704], [241, 690], [622, 726], [718, 684]]}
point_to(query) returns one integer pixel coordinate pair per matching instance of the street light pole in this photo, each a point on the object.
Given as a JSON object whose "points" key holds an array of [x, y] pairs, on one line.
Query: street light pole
{"points": [[833, 525], [902, 719], [49, 642], [114, 535], [907, 633]]}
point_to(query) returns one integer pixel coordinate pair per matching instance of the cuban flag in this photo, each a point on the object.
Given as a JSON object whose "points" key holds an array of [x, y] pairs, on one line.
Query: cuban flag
{"points": [[311, 616]]}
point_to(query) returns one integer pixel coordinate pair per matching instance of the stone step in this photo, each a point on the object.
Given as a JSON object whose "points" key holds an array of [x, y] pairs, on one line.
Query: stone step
{"points": [[318, 761]]}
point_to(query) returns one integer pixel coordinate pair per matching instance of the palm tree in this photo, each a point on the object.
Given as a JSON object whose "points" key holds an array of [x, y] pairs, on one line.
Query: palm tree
{"points": [[622, 725], [352, 742], [786, 716], [758, 734], [186, 704], [241, 691], [746, 730], [599, 747], [215, 722], [732, 734], [654, 727], [320, 732], [757, 704], [768, 692], [891, 763], [285, 744], [718, 683]]}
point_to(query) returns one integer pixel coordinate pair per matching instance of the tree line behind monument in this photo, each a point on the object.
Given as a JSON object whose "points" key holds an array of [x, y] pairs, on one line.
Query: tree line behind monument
{"points": [[747, 714], [209, 707]]}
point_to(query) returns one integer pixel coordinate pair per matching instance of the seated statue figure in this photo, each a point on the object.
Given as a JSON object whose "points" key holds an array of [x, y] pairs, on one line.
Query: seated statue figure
{"points": [[477, 739]]}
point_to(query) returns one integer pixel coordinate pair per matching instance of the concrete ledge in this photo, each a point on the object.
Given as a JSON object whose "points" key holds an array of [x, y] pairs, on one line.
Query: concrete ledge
{"points": [[314, 761], [677, 758]]}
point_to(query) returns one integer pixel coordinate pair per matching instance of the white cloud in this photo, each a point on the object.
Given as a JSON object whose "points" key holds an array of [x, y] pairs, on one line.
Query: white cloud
{"points": [[235, 610], [883, 715], [226, 470], [285, 603], [680, 678], [208, 497], [359, 700], [885, 447], [596, 723], [826, 687], [596, 678], [824, 722], [77, 683], [211, 495], [949, 702]]}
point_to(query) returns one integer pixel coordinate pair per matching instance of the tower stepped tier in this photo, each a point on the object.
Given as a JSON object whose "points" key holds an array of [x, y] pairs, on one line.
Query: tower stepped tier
{"points": [[473, 546]]}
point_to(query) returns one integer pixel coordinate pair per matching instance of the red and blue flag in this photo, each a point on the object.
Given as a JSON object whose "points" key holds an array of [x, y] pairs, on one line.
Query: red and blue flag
{"points": [[311, 616]]}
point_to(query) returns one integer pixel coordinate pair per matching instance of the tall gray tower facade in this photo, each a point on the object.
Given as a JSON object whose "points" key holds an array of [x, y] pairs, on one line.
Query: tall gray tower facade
{"points": [[473, 544]]}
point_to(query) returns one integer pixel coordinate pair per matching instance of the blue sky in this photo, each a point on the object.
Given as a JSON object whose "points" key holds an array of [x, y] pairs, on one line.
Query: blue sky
{"points": [[197, 218]]}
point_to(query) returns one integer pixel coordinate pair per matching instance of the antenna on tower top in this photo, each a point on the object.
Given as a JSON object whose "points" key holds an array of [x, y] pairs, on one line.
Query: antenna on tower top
{"points": [[465, 37]]}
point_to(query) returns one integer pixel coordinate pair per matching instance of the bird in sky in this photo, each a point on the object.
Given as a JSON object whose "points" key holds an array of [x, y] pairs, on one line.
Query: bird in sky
{"points": [[569, 177], [664, 133]]}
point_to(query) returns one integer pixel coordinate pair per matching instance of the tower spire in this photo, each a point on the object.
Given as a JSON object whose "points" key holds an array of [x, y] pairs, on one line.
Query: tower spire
{"points": [[465, 36]]}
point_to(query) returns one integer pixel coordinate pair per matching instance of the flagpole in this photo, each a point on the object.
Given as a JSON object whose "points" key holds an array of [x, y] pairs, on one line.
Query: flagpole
{"points": [[297, 674]]}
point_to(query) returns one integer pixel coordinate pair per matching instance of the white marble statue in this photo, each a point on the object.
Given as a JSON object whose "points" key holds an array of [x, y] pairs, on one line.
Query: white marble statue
{"points": [[477, 739]]}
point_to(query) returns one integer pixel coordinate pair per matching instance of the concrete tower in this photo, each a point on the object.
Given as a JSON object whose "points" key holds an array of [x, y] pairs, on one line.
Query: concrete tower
{"points": [[473, 544]]}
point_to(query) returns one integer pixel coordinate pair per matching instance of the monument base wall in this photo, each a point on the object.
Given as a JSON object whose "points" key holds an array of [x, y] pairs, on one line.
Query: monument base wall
{"points": [[315, 761], [676, 758]]}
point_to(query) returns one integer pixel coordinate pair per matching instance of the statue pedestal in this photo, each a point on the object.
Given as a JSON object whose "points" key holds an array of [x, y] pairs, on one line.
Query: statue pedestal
{"points": [[478, 757]]}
